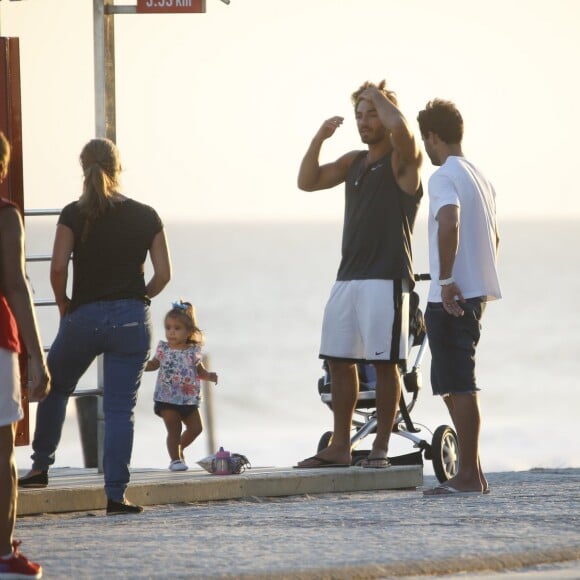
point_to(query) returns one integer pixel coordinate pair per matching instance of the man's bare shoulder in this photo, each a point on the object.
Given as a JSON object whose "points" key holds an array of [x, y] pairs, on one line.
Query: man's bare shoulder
{"points": [[348, 158]]}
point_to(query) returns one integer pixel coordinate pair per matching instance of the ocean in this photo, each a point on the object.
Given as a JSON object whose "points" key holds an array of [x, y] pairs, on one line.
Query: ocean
{"points": [[260, 289]]}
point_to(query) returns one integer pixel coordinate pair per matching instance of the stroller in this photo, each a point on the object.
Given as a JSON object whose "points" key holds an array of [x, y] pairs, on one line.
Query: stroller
{"points": [[442, 450]]}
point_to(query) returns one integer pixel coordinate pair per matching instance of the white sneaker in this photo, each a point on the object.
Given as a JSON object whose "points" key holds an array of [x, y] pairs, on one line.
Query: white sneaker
{"points": [[178, 465]]}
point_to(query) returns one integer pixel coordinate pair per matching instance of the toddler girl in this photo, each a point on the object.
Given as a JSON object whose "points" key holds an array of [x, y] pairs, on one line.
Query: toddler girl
{"points": [[177, 391]]}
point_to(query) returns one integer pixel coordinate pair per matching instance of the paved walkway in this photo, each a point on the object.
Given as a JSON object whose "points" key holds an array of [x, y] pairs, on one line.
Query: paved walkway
{"points": [[530, 521]]}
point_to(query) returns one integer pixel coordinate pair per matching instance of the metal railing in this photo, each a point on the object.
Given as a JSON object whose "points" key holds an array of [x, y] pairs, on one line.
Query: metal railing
{"points": [[41, 257]]}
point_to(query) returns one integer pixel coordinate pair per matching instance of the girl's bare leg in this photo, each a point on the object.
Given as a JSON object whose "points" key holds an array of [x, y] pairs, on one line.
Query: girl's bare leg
{"points": [[193, 429], [172, 421]]}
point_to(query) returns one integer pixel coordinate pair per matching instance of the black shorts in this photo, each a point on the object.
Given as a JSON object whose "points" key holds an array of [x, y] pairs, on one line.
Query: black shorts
{"points": [[453, 341], [183, 410]]}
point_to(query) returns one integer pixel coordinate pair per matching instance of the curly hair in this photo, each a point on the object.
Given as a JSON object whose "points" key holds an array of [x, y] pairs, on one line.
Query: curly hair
{"points": [[442, 118], [382, 86]]}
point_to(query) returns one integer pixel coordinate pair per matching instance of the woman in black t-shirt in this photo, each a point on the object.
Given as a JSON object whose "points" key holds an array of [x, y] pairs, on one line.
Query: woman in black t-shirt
{"points": [[109, 237]]}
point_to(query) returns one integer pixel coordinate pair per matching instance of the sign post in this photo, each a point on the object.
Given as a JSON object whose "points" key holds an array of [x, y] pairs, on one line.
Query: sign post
{"points": [[104, 59]]}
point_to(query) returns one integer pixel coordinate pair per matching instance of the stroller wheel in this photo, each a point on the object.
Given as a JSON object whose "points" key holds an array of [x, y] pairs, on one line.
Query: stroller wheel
{"points": [[324, 441], [444, 453]]}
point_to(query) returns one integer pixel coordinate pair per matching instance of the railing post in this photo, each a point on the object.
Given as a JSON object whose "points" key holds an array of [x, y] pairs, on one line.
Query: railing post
{"points": [[86, 406], [208, 411], [91, 420]]}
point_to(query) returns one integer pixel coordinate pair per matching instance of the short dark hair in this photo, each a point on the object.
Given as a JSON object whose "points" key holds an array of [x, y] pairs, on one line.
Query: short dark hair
{"points": [[442, 118]]}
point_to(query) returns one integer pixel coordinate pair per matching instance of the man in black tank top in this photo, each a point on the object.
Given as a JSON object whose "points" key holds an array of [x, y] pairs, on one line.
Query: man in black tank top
{"points": [[366, 317]]}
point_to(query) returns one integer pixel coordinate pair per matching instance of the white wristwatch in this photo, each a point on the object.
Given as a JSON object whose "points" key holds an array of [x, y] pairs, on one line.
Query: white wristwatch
{"points": [[447, 281]]}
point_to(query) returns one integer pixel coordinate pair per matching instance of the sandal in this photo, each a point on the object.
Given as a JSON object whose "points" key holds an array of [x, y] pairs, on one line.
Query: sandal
{"points": [[376, 463]]}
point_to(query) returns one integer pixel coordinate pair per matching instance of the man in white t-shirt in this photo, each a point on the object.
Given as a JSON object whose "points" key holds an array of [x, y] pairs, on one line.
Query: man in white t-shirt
{"points": [[463, 242]]}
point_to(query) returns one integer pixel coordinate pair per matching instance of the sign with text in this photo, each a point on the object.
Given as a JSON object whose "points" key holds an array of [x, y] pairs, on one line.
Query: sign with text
{"points": [[170, 6]]}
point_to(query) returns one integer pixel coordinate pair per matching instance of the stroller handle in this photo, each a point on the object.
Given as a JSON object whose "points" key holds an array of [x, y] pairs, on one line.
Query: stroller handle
{"points": [[419, 277]]}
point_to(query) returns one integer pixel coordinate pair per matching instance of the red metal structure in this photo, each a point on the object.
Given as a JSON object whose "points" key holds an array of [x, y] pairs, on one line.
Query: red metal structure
{"points": [[13, 186]]}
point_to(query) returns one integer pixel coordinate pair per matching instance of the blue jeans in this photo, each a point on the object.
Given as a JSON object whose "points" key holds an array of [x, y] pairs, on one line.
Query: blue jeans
{"points": [[120, 330]]}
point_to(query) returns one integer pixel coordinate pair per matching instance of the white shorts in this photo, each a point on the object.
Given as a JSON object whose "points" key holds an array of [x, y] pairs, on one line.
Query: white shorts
{"points": [[366, 321], [10, 407]]}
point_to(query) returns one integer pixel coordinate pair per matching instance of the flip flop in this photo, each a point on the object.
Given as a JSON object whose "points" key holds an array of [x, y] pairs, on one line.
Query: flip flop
{"points": [[315, 462], [376, 463], [445, 490]]}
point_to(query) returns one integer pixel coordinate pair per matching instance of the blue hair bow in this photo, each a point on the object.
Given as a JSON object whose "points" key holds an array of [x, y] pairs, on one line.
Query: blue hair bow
{"points": [[180, 305]]}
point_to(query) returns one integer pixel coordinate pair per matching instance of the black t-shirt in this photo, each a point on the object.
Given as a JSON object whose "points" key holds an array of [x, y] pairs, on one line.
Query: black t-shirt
{"points": [[109, 263], [378, 224]]}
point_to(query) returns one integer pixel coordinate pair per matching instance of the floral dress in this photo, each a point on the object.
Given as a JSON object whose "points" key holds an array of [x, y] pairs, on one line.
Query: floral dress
{"points": [[177, 380]]}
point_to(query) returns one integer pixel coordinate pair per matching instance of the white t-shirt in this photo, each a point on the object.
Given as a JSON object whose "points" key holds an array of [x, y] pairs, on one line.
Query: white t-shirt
{"points": [[458, 182]]}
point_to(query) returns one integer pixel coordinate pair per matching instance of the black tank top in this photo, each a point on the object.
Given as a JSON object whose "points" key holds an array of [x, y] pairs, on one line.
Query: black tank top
{"points": [[378, 224]]}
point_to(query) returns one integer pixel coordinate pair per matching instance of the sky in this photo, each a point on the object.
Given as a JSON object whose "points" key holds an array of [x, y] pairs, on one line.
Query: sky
{"points": [[216, 110]]}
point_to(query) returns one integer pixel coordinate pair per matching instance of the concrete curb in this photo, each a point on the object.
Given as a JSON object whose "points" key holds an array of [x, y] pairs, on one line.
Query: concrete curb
{"points": [[69, 493]]}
